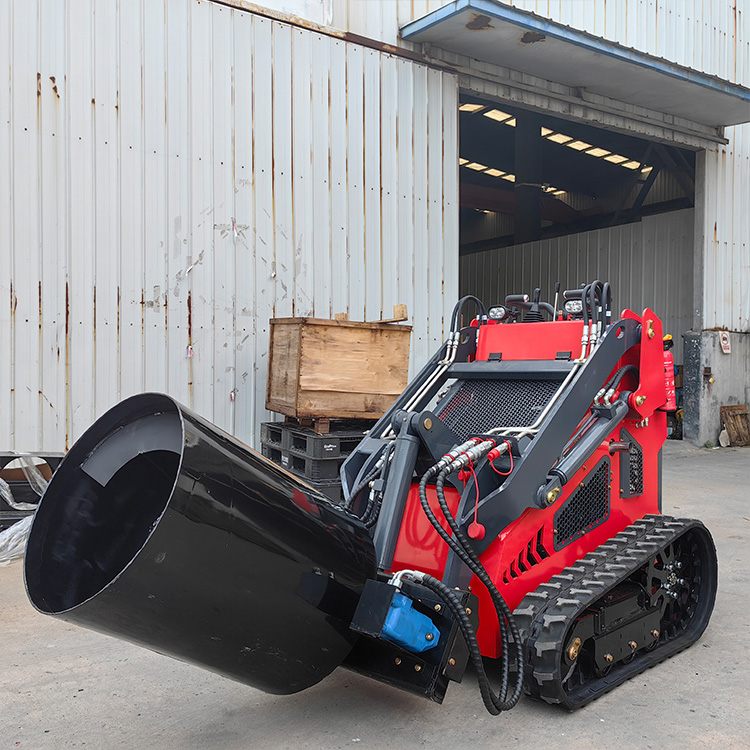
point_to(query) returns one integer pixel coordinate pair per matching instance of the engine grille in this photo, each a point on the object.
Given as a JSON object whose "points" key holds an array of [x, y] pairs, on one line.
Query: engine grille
{"points": [[476, 406], [585, 509]]}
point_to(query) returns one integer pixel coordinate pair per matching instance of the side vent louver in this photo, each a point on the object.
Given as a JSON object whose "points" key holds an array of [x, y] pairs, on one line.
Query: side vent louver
{"points": [[531, 555]]}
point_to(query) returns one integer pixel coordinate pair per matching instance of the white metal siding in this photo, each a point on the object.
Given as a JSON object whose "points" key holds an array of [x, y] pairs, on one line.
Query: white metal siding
{"points": [[649, 264], [175, 174], [726, 235]]}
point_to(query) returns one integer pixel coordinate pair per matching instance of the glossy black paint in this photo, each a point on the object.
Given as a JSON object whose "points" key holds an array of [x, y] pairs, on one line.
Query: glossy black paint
{"points": [[161, 529]]}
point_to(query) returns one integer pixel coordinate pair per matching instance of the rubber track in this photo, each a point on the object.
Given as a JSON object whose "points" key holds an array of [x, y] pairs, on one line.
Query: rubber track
{"points": [[546, 614]]}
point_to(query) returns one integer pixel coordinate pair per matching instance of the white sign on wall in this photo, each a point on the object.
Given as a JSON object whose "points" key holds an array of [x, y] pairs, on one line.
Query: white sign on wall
{"points": [[726, 344]]}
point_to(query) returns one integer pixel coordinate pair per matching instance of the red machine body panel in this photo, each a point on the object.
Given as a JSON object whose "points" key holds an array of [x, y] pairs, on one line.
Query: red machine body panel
{"points": [[524, 342], [525, 554]]}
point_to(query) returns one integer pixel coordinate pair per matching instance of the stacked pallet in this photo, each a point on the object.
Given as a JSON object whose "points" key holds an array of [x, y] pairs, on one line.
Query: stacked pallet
{"points": [[331, 379], [315, 458]]}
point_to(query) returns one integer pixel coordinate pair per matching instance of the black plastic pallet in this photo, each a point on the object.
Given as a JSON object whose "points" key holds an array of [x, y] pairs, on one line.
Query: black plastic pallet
{"points": [[304, 466], [273, 433], [330, 488], [343, 438]]}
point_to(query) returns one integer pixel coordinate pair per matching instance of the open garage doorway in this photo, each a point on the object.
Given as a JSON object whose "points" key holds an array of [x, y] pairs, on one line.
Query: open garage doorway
{"points": [[545, 200]]}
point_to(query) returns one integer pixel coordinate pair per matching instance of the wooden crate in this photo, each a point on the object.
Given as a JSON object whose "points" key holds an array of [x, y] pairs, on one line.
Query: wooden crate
{"points": [[334, 368], [737, 424]]}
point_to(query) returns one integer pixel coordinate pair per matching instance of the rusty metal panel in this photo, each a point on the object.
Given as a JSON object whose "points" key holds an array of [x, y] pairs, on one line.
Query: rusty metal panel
{"points": [[338, 195], [649, 263], [177, 240], [246, 416], [53, 247], [181, 172], [24, 211]]}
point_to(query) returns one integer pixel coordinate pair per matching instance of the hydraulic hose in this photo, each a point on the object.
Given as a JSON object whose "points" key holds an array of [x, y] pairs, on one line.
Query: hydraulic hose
{"points": [[609, 388], [462, 548], [469, 558], [367, 478], [593, 289], [494, 704], [619, 375], [456, 316], [585, 311], [607, 301], [372, 511]]}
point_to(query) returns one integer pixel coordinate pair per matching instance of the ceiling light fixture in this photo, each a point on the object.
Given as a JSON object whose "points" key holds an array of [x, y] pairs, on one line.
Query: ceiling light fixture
{"points": [[496, 114], [476, 166], [559, 138], [470, 107], [495, 172], [596, 151]]}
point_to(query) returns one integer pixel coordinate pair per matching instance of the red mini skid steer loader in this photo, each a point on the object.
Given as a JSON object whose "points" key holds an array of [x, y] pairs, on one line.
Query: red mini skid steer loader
{"points": [[507, 507]]}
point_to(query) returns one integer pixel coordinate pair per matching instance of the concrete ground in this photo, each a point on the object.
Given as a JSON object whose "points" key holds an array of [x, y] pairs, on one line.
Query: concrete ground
{"points": [[64, 687]]}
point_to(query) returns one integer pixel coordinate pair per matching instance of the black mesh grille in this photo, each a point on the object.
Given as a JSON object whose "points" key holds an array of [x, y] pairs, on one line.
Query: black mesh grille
{"points": [[631, 467], [585, 509], [475, 406], [636, 469]]}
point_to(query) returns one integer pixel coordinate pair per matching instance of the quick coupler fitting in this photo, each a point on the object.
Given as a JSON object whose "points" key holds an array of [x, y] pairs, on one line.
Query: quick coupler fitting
{"points": [[452, 455]]}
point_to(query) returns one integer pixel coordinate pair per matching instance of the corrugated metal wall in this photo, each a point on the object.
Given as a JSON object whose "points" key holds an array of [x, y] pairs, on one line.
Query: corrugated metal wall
{"points": [[726, 233], [175, 174], [649, 263]]}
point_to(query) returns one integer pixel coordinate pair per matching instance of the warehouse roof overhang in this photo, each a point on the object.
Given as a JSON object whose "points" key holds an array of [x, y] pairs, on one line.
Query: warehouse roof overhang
{"points": [[503, 35]]}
